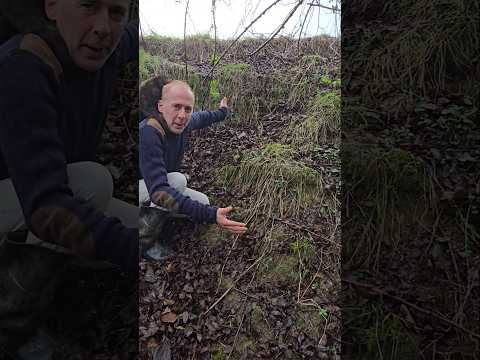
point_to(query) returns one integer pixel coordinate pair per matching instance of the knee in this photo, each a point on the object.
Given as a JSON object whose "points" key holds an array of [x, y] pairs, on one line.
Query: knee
{"points": [[198, 196], [178, 181], [204, 199], [92, 182]]}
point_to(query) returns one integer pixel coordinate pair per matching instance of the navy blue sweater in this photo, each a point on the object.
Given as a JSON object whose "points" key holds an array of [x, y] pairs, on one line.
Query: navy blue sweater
{"points": [[162, 152], [52, 113]]}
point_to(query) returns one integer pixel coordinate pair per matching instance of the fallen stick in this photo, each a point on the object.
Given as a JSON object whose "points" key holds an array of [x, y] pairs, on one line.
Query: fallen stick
{"points": [[413, 306], [233, 285]]}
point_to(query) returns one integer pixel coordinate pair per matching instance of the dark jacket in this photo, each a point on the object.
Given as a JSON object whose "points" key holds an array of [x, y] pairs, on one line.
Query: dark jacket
{"points": [[162, 152], [53, 113]]}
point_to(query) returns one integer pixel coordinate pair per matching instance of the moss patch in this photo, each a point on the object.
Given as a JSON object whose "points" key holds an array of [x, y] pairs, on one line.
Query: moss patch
{"points": [[320, 124], [227, 72], [225, 284], [310, 322], [279, 271], [259, 325], [245, 343], [278, 151], [214, 235], [218, 354]]}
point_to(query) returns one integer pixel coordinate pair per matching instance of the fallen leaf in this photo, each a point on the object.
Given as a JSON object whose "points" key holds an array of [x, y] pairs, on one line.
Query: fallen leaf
{"points": [[170, 268], [169, 317], [168, 302]]}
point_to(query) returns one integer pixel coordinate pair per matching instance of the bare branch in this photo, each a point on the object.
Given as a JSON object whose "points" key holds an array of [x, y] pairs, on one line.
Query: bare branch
{"points": [[210, 73], [278, 29], [303, 24], [333, 8], [243, 32], [214, 58], [185, 39]]}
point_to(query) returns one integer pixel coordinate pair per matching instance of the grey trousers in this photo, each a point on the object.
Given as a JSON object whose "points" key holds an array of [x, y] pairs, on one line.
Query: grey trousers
{"points": [[176, 180], [88, 180], [30, 273]]}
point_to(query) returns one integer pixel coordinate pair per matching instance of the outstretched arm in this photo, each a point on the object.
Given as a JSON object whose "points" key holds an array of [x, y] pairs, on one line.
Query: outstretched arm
{"points": [[202, 119]]}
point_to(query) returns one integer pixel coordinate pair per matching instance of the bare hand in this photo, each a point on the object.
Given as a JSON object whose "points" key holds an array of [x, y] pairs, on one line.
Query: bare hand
{"points": [[233, 226], [224, 102]]}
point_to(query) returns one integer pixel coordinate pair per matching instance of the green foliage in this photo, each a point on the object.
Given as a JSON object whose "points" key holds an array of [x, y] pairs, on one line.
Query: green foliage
{"points": [[324, 100], [214, 92], [159, 38], [230, 70], [392, 187], [276, 150], [280, 90], [214, 59], [325, 80], [305, 79], [322, 123], [323, 313], [199, 37], [313, 59], [303, 248]]}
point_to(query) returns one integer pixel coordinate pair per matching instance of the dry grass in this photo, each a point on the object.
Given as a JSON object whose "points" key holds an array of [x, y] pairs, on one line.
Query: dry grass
{"points": [[441, 38], [320, 125], [276, 184], [380, 179]]}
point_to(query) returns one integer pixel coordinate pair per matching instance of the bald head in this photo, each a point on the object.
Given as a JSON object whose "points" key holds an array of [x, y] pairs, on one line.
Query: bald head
{"points": [[176, 105], [176, 86]]}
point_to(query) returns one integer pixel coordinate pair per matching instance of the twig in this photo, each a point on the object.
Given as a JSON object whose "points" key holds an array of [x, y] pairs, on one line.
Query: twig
{"points": [[413, 306], [185, 39], [246, 294], [214, 33], [225, 262], [143, 39], [233, 285], [210, 73], [301, 28], [128, 130], [299, 227], [333, 8], [278, 29], [236, 335]]}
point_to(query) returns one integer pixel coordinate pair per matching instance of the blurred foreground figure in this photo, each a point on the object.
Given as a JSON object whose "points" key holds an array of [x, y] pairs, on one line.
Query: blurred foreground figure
{"points": [[56, 83]]}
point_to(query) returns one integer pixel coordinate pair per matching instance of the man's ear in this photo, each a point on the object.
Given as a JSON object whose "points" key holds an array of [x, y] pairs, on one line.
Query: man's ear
{"points": [[159, 105], [51, 9]]}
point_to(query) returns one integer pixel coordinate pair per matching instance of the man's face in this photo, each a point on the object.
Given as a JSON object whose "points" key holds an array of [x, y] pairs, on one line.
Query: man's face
{"points": [[176, 106], [90, 28]]}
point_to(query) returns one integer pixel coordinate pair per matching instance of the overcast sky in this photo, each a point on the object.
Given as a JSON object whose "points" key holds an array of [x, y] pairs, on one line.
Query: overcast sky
{"points": [[166, 17]]}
